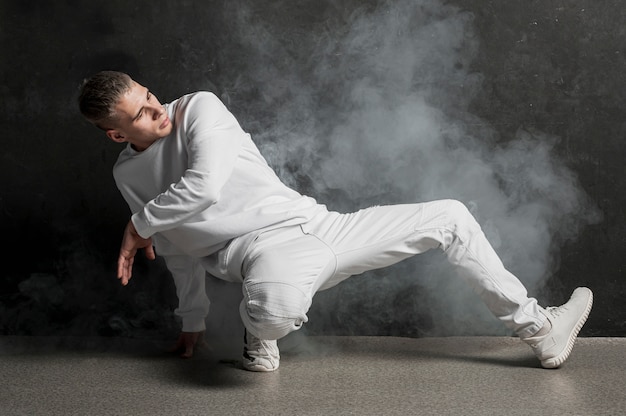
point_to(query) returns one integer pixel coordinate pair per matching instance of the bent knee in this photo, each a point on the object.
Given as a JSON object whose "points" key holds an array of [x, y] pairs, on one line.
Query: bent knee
{"points": [[271, 310], [460, 215], [456, 208], [460, 224]]}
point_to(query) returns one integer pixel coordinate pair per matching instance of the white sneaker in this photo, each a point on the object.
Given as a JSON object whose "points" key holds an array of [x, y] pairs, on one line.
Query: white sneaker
{"points": [[259, 355], [553, 348]]}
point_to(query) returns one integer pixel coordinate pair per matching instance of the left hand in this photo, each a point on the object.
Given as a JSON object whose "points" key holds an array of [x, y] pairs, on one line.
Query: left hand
{"points": [[187, 341], [131, 242]]}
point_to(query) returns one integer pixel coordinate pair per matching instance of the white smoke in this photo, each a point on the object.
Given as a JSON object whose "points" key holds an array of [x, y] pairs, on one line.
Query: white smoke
{"points": [[367, 105]]}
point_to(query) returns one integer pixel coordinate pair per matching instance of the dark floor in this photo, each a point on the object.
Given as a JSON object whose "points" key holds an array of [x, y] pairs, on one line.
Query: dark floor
{"points": [[318, 376]]}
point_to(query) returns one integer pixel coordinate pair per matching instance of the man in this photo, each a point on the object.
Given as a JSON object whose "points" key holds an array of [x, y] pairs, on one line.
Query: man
{"points": [[204, 196]]}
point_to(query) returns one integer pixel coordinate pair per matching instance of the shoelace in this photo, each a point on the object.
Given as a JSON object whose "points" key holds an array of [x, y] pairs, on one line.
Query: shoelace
{"points": [[555, 311], [255, 347]]}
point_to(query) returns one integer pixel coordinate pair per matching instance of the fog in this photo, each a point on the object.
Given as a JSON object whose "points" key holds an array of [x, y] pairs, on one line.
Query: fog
{"points": [[368, 105]]}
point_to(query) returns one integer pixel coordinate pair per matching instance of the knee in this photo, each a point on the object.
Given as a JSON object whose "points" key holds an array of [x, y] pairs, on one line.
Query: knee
{"points": [[461, 224], [271, 310], [459, 214]]}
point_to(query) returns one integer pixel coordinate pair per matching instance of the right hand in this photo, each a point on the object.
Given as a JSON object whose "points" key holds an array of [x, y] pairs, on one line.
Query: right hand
{"points": [[131, 242], [187, 341]]}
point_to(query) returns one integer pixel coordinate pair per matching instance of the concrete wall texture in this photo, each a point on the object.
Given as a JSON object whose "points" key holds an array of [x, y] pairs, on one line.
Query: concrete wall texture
{"points": [[515, 107]]}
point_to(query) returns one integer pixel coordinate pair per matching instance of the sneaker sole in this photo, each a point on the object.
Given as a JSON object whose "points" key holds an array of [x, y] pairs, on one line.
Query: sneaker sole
{"points": [[259, 368], [555, 362]]}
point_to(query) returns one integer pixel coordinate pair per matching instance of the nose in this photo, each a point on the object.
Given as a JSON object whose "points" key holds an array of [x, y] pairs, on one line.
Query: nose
{"points": [[157, 111]]}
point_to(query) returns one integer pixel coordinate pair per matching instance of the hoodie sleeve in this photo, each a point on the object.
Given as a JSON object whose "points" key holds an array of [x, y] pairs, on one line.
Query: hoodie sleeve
{"points": [[193, 302], [213, 138]]}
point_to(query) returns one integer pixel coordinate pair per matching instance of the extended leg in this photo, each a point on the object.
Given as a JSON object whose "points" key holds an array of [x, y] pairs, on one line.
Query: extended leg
{"points": [[380, 236]]}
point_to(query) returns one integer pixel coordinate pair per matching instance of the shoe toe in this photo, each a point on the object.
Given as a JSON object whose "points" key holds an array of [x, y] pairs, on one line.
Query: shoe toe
{"points": [[260, 365]]}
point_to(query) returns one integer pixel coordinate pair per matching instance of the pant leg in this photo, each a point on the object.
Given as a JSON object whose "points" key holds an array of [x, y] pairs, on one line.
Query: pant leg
{"points": [[381, 236], [280, 270]]}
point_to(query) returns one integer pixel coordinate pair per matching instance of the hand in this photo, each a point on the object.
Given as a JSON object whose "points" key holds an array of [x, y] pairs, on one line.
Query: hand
{"points": [[131, 242], [187, 341]]}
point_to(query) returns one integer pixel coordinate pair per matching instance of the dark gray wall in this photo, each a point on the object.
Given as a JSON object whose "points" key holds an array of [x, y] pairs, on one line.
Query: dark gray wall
{"points": [[514, 107]]}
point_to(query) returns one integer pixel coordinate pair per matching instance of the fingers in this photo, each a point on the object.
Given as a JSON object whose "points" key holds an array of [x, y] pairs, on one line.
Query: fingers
{"points": [[150, 251], [131, 242], [188, 351], [187, 341], [124, 268], [127, 256]]}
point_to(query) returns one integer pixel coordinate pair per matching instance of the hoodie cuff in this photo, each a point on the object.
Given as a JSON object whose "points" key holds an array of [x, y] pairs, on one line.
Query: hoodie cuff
{"points": [[193, 324], [141, 225]]}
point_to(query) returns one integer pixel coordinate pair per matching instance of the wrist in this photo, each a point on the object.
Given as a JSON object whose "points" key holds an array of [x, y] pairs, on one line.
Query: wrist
{"points": [[140, 227]]}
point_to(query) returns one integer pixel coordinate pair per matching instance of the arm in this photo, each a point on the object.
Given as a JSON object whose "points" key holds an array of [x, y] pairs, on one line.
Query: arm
{"points": [[193, 303], [213, 138]]}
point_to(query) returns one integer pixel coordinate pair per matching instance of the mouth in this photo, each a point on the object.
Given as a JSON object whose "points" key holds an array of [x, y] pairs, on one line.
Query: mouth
{"points": [[166, 122]]}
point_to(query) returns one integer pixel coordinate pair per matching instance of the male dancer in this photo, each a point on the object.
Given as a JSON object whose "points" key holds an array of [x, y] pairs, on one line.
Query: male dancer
{"points": [[203, 195]]}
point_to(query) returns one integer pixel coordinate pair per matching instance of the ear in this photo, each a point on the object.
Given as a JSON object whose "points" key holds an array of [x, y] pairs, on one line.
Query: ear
{"points": [[116, 136]]}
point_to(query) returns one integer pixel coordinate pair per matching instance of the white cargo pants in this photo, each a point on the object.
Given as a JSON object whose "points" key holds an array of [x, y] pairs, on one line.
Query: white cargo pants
{"points": [[283, 268]]}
